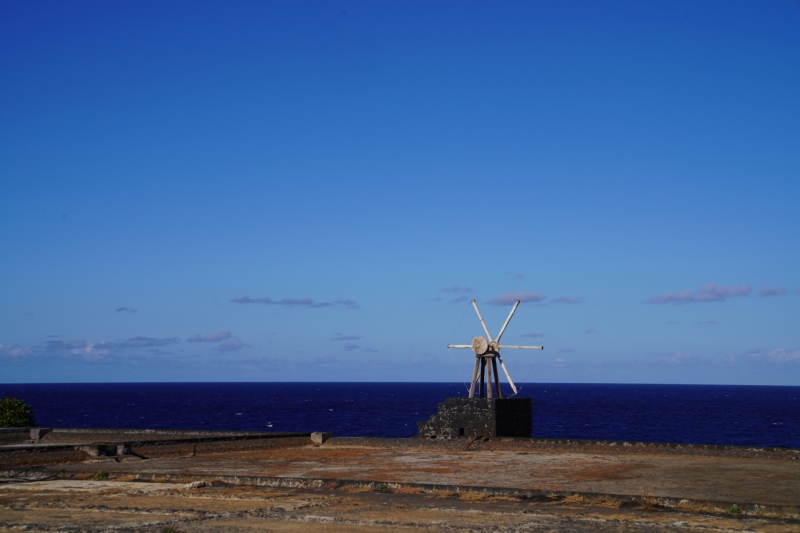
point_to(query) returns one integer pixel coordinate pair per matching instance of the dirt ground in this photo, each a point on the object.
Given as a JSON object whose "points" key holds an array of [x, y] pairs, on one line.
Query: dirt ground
{"points": [[88, 505], [406, 485]]}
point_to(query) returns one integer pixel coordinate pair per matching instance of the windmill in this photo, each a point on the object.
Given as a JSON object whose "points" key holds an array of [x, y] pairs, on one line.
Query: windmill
{"points": [[487, 354]]}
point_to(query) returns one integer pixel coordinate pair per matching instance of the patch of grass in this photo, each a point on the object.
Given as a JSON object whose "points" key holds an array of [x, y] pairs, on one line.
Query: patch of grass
{"points": [[355, 489], [502, 498], [472, 497], [695, 507], [648, 501], [733, 510], [408, 490], [381, 487], [596, 501], [101, 475]]}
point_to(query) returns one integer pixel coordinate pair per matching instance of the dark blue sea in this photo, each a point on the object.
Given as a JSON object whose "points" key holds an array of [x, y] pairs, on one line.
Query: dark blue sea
{"points": [[697, 414]]}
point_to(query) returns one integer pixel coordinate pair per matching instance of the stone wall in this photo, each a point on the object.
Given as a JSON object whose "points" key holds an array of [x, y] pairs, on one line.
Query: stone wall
{"points": [[480, 417]]}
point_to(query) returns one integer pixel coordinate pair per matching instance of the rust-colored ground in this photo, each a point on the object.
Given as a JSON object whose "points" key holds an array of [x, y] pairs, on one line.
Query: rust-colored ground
{"points": [[406, 485]]}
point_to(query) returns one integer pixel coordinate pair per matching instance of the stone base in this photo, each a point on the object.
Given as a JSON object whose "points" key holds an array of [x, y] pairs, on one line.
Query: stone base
{"points": [[480, 417]]}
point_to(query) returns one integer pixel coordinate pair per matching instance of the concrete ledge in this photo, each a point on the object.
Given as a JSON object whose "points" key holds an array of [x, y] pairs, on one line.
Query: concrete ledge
{"points": [[105, 443], [319, 437]]}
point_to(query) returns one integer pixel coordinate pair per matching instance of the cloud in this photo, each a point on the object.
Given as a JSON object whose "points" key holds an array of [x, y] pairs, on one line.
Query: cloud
{"points": [[533, 335], [458, 299], [772, 291], [708, 293], [707, 323], [515, 275], [340, 337], [293, 302], [98, 349], [211, 337], [125, 309], [777, 355], [233, 345], [456, 289], [86, 349], [567, 300], [323, 361], [676, 358], [16, 351], [351, 346], [138, 342], [591, 331], [64, 345], [372, 350], [511, 296]]}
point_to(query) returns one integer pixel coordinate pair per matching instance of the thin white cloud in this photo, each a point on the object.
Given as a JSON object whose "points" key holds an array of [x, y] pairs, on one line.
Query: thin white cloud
{"points": [[217, 336], [566, 300], [340, 337], [533, 334], [324, 361], [707, 293], [16, 351], [138, 342], [125, 309], [294, 302], [776, 355], [591, 331], [675, 359], [351, 346], [233, 345], [772, 291], [456, 289], [97, 349], [511, 296]]}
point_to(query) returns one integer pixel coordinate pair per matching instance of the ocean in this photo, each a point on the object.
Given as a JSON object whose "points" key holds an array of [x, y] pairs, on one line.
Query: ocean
{"points": [[691, 414]]}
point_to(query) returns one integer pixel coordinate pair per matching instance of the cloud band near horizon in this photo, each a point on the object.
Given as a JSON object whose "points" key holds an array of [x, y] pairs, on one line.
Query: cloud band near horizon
{"points": [[294, 302], [707, 293]]}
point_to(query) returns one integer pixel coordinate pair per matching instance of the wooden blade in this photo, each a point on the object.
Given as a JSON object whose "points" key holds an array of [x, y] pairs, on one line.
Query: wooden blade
{"points": [[505, 324], [488, 335]]}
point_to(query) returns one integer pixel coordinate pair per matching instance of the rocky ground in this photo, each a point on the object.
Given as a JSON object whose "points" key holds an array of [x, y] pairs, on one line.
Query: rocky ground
{"points": [[404, 485]]}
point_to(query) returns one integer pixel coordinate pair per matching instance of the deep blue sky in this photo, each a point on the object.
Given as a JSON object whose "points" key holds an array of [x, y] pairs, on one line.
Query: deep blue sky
{"points": [[308, 191]]}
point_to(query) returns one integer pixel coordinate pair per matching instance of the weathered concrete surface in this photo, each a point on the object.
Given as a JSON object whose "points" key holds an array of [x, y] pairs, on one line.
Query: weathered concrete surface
{"points": [[734, 480], [153, 507], [407, 484]]}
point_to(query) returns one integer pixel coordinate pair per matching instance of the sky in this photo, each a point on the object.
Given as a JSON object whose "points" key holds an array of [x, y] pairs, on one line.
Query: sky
{"points": [[314, 191]]}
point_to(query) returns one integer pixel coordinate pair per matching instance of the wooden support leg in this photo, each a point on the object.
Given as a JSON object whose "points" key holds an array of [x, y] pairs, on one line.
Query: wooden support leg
{"points": [[489, 376], [496, 378], [474, 377], [483, 386]]}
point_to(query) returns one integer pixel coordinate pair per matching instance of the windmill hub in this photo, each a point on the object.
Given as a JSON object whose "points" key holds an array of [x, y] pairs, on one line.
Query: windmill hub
{"points": [[480, 345]]}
